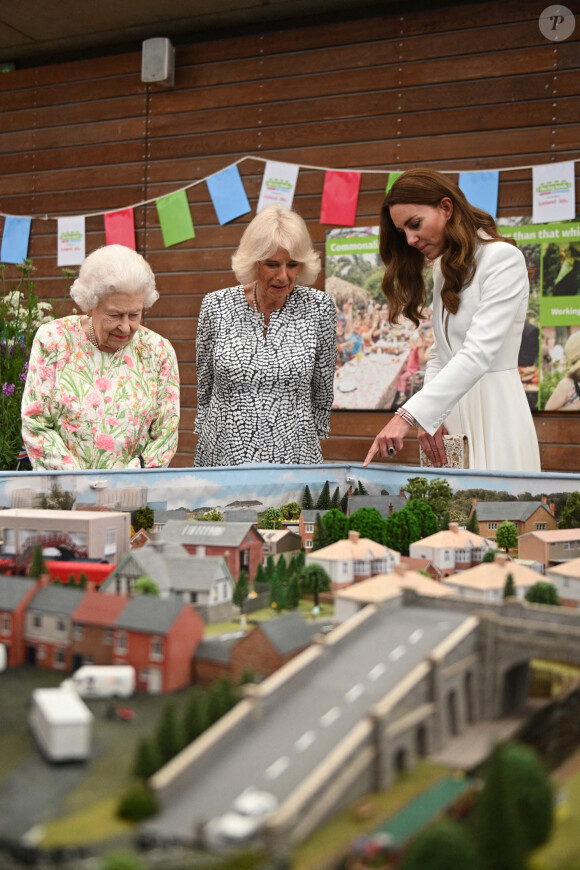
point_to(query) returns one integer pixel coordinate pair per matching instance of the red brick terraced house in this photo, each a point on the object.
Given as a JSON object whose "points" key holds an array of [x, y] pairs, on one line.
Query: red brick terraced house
{"points": [[92, 641], [15, 595], [241, 544]]}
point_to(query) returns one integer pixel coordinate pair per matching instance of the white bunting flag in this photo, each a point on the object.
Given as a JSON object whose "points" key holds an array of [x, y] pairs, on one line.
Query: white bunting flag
{"points": [[71, 241], [278, 184]]}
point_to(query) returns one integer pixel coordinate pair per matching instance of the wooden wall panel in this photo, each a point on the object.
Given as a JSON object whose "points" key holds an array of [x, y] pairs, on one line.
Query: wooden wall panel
{"points": [[469, 87]]}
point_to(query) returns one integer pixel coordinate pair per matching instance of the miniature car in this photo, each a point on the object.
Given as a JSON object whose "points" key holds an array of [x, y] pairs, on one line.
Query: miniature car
{"points": [[243, 822]]}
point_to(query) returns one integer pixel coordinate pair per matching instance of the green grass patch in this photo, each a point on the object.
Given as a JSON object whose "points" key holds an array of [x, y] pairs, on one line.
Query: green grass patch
{"points": [[92, 824], [332, 840]]}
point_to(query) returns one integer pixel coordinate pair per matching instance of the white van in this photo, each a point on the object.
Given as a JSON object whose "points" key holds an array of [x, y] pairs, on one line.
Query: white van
{"points": [[3, 657], [102, 681]]}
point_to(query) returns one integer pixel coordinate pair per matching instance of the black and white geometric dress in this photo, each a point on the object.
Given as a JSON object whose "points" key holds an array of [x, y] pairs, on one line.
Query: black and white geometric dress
{"points": [[264, 399]]}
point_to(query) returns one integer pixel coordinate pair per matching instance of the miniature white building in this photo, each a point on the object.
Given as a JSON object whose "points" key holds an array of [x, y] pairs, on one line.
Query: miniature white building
{"points": [[378, 589], [353, 559], [486, 582], [566, 579], [451, 550]]}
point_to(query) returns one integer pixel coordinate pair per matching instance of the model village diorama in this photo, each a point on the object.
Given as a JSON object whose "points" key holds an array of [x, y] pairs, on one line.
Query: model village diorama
{"points": [[235, 675]]}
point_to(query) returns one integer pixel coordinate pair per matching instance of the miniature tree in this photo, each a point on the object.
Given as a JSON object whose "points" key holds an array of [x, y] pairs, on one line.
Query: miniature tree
{"points": [[436, 492], [37, 565], [169, 738], [241, 590], [144, 518], [507, 535], [290, 511], [196, 714], [360, 490], [297, 563], [571, 513], [293, 594], [417, 487], [221, 697], [248, 676], [489, 556], [307, 500], [543, 592], [424, 515], [72, 580], [498, 829], [315, 580], [533, 793], [271, 519], [401, 530], [344, 503], [212, 516], [335, 500], [145, 585], [368, 522], [335, 525], [323, 502], [442, 846], [509, 589], [319, 538], [270, 569], [445, 520], [260, 575], [472, 525], [282, 569], [277, 594], [147, 760], [83, 580]]}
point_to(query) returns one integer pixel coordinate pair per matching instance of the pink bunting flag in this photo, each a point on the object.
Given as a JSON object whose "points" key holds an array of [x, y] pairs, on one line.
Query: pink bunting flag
{"points": [[120, 228], [339, 198]]}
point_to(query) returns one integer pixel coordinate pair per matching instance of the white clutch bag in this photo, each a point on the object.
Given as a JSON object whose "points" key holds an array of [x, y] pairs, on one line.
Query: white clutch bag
{"points": [[456, 453]]}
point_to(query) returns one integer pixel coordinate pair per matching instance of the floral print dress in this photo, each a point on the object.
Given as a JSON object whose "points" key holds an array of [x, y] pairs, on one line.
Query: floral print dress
{"points": [[85, 408]]}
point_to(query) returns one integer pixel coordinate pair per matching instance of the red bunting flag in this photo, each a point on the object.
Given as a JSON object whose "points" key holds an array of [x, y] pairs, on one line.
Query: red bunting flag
{"points": [[120, 228], [339, 198]]}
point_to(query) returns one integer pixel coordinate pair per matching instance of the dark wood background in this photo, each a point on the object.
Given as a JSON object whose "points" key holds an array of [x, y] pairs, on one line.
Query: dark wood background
{"points": [[469, 87]]}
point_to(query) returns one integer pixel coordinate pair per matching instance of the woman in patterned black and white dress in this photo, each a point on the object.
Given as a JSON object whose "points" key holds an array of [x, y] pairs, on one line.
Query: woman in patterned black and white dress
{"points": [[266, 351]]}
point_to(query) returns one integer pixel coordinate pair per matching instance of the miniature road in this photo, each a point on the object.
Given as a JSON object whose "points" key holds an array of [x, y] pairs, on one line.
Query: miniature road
{"points": [[293, 738]]}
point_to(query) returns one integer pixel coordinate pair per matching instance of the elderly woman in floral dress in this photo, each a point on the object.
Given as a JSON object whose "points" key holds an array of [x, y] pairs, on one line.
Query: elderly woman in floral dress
{"points": [[102, 391]]}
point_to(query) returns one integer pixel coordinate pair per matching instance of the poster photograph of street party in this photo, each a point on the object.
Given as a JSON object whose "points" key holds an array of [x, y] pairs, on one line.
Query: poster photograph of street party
{"points": [[380, 366]]}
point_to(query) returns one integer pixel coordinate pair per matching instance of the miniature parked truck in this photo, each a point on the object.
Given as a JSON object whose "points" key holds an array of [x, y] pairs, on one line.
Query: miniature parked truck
{"points": [[102, 681], [62, 724]]}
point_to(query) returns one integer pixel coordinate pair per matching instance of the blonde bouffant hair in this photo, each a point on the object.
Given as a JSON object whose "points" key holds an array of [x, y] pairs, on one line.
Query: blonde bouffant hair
{"points": [[272, 228]]}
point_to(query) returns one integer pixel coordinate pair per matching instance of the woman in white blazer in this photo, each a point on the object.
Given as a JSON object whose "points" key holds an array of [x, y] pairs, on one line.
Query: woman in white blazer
{"points": [[480, 296]]}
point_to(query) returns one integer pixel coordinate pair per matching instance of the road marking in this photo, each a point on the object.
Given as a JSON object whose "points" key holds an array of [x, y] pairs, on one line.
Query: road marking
{"points": [[416, 636], [353, 693], [305, 741], [377, 671], [277, 769], [330, 716], [397, 653]]}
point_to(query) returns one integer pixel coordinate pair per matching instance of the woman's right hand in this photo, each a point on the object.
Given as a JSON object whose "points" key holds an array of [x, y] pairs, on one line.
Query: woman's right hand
{"points": [[432, 445]]}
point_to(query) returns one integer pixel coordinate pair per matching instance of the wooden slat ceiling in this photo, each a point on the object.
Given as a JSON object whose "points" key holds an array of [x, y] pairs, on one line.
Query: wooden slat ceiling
{"points": [[37, 31]]}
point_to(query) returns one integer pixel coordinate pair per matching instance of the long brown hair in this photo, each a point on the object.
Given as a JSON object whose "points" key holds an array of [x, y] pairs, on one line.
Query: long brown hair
{"points": [[403, 283]]}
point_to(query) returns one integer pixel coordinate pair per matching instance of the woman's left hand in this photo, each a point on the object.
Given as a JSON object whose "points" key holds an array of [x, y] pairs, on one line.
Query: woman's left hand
{"points": [[389, 440], [433, 447]]}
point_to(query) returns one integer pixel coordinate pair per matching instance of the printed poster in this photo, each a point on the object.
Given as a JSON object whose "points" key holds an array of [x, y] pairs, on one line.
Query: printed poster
{"points": [[380, 366]]}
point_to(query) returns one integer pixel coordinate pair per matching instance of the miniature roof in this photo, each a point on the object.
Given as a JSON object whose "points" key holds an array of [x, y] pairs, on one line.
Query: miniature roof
{"points": [[567, 569], [172, 567], [147, 613], [276, 535], [163, 516], [207, 534], [310, 515], [287, 632], [385, 504], [514, 511], [39, 513], [13, 590], [554, 536], [349, 549], [216, 650], [460, 538], [98, 609], [493, 575], [55, 598], [385, 586]]}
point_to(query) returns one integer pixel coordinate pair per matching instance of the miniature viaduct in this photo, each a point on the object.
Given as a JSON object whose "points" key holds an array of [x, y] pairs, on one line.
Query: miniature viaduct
{"points": [[478, 670]]}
